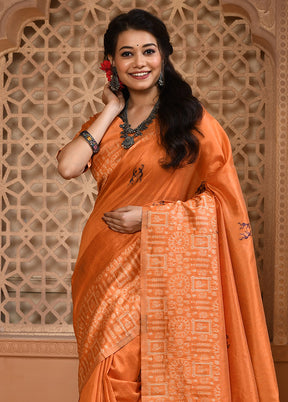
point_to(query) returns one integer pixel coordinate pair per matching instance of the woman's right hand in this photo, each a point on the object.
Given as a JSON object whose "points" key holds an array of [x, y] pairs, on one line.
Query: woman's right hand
{"points": [[110, 99]]}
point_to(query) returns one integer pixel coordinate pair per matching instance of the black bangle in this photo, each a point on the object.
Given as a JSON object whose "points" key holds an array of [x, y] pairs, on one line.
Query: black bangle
{"points": [[91, 141]]}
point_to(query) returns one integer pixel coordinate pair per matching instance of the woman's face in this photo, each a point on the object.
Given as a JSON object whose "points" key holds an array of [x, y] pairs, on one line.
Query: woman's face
{"points": [[138, 60]]}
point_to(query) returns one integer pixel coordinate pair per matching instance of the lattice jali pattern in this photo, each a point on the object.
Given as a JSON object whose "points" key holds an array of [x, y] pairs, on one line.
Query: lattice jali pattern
{"points": [[52, 85]]}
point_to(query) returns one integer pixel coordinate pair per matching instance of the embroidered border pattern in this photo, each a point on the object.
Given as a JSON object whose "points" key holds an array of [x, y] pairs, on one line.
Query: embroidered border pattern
{"points": [[184, 340], [110, 313]]}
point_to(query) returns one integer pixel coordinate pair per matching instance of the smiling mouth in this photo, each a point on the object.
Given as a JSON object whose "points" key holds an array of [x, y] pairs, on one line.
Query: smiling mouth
{"points": [[140, 74]]}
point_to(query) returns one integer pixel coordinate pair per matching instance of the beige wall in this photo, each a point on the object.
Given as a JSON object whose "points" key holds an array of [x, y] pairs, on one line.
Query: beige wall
{"points": [[26, 379]]}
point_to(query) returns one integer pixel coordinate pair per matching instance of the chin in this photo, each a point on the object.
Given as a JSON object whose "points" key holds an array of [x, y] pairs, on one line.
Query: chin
{"points": [[142, 86]]}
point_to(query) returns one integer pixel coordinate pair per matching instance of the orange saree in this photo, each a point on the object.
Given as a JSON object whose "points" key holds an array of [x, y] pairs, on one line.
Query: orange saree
{"points": [[186, 286]]}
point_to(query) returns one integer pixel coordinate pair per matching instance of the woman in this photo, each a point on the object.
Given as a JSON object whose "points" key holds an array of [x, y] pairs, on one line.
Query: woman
{"points": [[166, 258]]}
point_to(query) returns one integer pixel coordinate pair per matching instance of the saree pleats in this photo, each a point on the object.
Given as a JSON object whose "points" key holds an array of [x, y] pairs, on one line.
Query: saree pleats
{"points": [[116, 378], [186, 285], [109, 317]]}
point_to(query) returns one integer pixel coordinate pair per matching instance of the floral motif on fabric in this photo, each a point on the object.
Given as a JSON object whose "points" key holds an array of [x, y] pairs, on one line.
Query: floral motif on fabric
{"points": [[137, 174], [245, 230]]}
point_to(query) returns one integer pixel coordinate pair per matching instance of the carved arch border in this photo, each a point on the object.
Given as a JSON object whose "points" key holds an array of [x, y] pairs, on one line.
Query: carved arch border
{"points": [[268, 21], [14, 16], [261, 17]]}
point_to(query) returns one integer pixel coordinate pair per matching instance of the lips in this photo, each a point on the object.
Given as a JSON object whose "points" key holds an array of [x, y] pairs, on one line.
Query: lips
{"points": [[140, 75]]}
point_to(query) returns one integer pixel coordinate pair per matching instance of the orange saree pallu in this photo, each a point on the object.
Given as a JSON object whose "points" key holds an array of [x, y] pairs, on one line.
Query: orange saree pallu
{"points": [[186, 286], [184, 353]]}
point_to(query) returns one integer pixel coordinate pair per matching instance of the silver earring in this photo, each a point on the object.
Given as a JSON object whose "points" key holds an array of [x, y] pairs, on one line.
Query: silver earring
{"points": [[161, 80], [114, 83]]}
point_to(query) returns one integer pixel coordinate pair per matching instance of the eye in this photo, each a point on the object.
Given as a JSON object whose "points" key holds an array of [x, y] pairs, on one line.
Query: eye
{"points": [[126, 54], [149, 51]]}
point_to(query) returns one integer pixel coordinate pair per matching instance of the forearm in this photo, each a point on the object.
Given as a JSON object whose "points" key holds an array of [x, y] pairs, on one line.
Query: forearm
{"points": [[75, 156], [99, 127]]}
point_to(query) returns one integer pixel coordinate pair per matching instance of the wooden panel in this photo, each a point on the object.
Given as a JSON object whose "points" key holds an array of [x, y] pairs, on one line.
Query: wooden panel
{"points": [[54, 83]]}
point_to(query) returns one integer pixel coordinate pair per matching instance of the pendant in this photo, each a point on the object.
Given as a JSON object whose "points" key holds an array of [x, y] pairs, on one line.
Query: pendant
{"points": [[129, 134], [128, 142]]}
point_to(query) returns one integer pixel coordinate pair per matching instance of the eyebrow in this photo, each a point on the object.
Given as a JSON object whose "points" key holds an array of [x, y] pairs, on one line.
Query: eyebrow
{"points": [[131, 47]]}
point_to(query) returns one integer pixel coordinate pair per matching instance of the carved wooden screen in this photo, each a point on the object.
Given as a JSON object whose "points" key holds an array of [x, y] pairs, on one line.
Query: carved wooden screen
{"points": [[53, 84]]}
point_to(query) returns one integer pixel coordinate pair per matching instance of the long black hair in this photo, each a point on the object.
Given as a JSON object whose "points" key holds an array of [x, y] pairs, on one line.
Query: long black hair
{"points": [[179, 110]]}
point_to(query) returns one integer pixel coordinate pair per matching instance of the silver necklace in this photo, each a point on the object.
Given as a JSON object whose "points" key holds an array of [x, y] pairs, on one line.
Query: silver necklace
{"points": [[129, 134]]}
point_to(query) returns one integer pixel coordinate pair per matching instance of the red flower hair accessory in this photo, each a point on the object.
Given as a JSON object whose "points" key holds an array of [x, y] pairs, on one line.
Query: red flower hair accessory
{"points": [[106, 66]]}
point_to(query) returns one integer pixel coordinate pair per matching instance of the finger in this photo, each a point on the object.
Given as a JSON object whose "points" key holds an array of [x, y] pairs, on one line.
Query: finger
{"points": [[117, 228], [112, 218], [116, 225], [117, 213], [121, 209]]}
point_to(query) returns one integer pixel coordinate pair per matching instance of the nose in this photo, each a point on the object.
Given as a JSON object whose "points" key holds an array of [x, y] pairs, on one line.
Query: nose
{"points": [[139, 60]]}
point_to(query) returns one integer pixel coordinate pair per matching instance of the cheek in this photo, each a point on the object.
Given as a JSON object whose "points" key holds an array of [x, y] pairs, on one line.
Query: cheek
{"points": [[157, 63], [122, 65], [122, 73]]}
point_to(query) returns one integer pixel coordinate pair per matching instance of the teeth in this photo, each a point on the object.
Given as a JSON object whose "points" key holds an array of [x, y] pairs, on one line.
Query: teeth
{"points": [[140, 74]]}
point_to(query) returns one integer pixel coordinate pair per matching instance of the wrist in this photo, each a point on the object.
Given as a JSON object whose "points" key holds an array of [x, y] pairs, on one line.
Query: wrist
{"points": [[113, 108], [90, 140]]}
